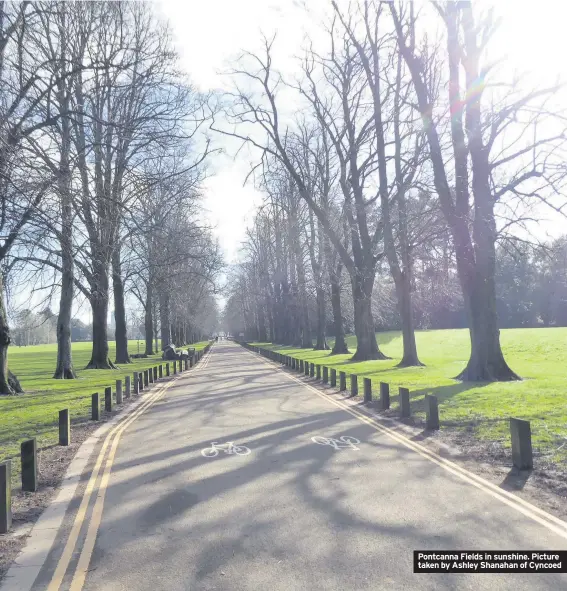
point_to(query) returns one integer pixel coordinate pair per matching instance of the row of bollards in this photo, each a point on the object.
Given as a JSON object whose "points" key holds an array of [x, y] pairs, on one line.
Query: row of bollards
{"points": [[28, 449], [520, 430]]}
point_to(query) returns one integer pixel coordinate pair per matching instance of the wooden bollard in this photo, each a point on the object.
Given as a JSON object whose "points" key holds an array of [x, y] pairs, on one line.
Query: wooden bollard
{"points": [[353, 384], [28, 456], [431, 412], [167, 369], [128, 387], [405, 409], [311, 370], [136, 383], [318, 372], [95, 407], [301, 366], [292, 361], [160, 371], [384, 395], [174, 367], [154, 371], [5, 496], [367, 390], [146, 378], [180, 365], [108, 402], [64, 427], [522, 454], [140, 382], [191, 363], [333, 377], [118, 391], [186, 363], [325, 374], [342, 381]]}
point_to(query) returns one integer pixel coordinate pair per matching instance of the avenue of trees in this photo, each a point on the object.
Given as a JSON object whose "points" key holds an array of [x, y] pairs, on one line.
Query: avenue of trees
{"points": [[102, 158], [397, 166]]}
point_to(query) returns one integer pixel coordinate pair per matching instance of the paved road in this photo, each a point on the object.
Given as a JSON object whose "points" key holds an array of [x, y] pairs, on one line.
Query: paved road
{"points": [[290, 515]]}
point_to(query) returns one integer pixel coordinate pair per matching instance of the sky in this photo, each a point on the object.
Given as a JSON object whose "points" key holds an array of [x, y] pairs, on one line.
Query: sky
{"points": [[209, 34]]}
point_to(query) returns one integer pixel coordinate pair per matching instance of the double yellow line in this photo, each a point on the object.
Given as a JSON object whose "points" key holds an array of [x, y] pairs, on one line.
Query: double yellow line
{"points": [[112, 440], [538, 515]]}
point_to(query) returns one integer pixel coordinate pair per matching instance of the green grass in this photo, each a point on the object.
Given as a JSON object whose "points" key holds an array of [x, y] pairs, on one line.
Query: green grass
{"points": [[35, 413], [538, 355]]}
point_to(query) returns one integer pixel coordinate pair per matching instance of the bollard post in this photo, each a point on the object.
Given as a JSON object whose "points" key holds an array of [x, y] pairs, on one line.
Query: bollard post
{"points": [[311, 370], [353, 384], [136, 383], [522, 455], [5, 496], [367, 390], [431, 412], [333, 378], [405, 409], [154, 371], [186, 363], [108, 399], [342, 381], [325, 374], [146, 378], [160, 371], [64, 427], [28, 454], [292, 363], [128, 387], [191, 361], [174, 367], [384, 395], [140, 382], [95, 407], [318, 368], [167, 369], [180, 365], [118, 391]]}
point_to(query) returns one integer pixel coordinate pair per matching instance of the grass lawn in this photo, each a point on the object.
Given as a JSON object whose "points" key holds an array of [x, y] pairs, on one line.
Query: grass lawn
{"points": [[539, 355], [35, 413]]}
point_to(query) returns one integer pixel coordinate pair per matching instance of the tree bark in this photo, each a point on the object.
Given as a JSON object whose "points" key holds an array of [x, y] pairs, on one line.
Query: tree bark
{"points": [[9, 384], [165, 323], [148, 322], [99, 306], [366, 344], [340, 347], [321, 344], [121, 334]]}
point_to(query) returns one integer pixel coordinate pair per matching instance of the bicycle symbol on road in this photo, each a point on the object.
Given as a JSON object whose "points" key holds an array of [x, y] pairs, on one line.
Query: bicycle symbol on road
{"points": [[228, 448], [340, 443]]}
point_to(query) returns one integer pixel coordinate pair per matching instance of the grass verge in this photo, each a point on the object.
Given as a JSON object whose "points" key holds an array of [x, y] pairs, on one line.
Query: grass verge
{"points": [[481, 409]]}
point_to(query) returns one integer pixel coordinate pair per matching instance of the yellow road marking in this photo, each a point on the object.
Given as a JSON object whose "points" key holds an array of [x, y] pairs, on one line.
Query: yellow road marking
{"points": [[535, 513], [96, 517], [79, 518]]}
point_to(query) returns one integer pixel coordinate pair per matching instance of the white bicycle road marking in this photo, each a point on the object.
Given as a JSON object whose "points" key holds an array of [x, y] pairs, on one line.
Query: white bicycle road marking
{"points": [[228, 448], [340, 443]]}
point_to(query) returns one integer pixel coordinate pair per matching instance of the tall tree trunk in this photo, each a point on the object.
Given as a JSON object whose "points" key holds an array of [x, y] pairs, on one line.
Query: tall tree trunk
{"points": [[366, 344], [121, 334], [164, 318], [321, 344], [64, 369], [340, 346], [9, 384], [99, 304], [149, 322]]}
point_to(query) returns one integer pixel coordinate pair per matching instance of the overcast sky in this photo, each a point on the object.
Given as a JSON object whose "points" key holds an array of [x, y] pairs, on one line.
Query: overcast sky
{"points": [[210, 33]]}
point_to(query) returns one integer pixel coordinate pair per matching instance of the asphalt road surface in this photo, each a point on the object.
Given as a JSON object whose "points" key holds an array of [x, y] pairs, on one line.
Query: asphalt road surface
{"points": [[172, 512]]}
